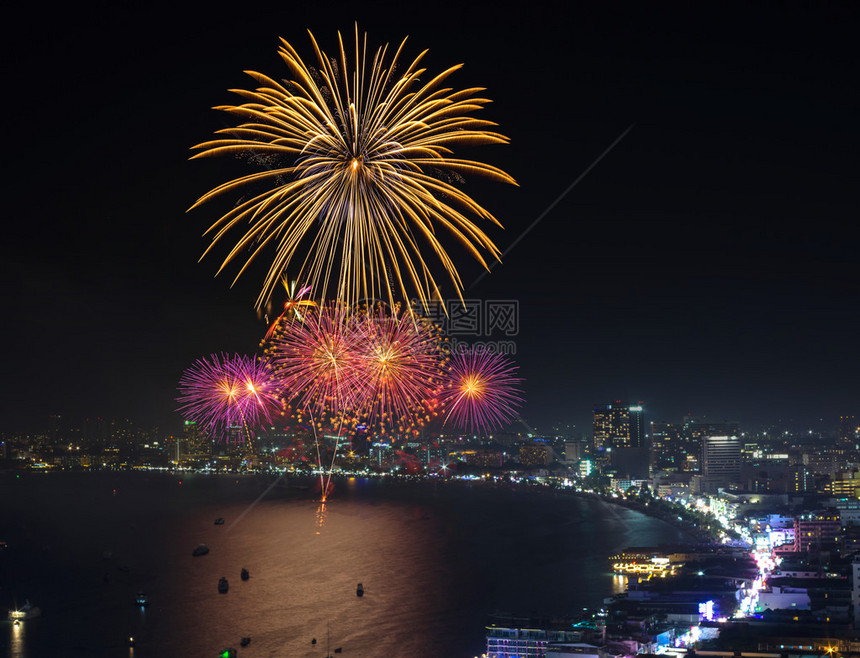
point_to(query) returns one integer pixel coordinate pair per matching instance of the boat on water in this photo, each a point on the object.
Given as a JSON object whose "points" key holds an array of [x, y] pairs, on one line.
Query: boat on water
{"points": [[245, 574], [245, 641], [219, 521], [223, 586], [27, 611], [203, 549], [359, 591], [228, 653], [141, 599]]}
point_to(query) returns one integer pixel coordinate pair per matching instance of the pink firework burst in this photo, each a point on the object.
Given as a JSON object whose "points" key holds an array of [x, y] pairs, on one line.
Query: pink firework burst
{"points": [[401, 363], [222, 392], [316, 360], [482, 391]]}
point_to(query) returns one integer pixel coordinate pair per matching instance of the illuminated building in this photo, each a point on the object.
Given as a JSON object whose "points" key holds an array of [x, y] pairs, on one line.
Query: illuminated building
{"points": [[585, 467], [611, 426], [826, 461], [194, 444], [691, 463], [538, 454], [535, 638], [846, 485], [656, 566], [638, 438], [817, 531], [800, 479], [619, 425], [667, 446], [721, 462], [484, 457]]}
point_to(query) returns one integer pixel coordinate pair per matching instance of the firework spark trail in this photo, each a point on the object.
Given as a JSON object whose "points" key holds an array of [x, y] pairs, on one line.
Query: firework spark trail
{"points": [[363, 156], [333, 457], [292, 305], [482, 391], [315, 358]]}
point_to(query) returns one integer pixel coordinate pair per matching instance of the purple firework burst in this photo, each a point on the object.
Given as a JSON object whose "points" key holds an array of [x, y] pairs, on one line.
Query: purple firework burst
{"points": [[221, 393], [482, 391]]}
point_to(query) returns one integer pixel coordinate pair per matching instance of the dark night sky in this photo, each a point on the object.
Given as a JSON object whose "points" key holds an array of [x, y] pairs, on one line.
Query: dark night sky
{"points": [[708, 265]]}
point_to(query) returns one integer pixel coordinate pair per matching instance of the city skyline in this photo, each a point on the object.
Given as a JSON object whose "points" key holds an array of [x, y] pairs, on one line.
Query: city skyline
{"points": [[706, 263]]}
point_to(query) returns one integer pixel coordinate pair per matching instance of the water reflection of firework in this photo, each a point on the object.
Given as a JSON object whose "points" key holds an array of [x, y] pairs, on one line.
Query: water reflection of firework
{"points": [[321, 517]]}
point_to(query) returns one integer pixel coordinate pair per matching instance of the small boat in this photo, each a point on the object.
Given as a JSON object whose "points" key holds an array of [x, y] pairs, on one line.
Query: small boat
{"points": [[245, 641], [219, 521], [28, 611], [223, 586], [141, 599], [359, 591], [203, 549], [245, 574], [227, 653]]}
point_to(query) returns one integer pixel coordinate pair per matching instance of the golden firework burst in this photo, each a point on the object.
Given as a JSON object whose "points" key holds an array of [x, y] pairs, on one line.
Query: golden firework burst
{"points": [[360, 177]]}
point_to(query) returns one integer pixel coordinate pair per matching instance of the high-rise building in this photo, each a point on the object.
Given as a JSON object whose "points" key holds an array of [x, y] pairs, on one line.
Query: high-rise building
{"points": [[619, 425], [721, 462], [611, 425], [638, 438], [667, 445], [194, 445]]}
